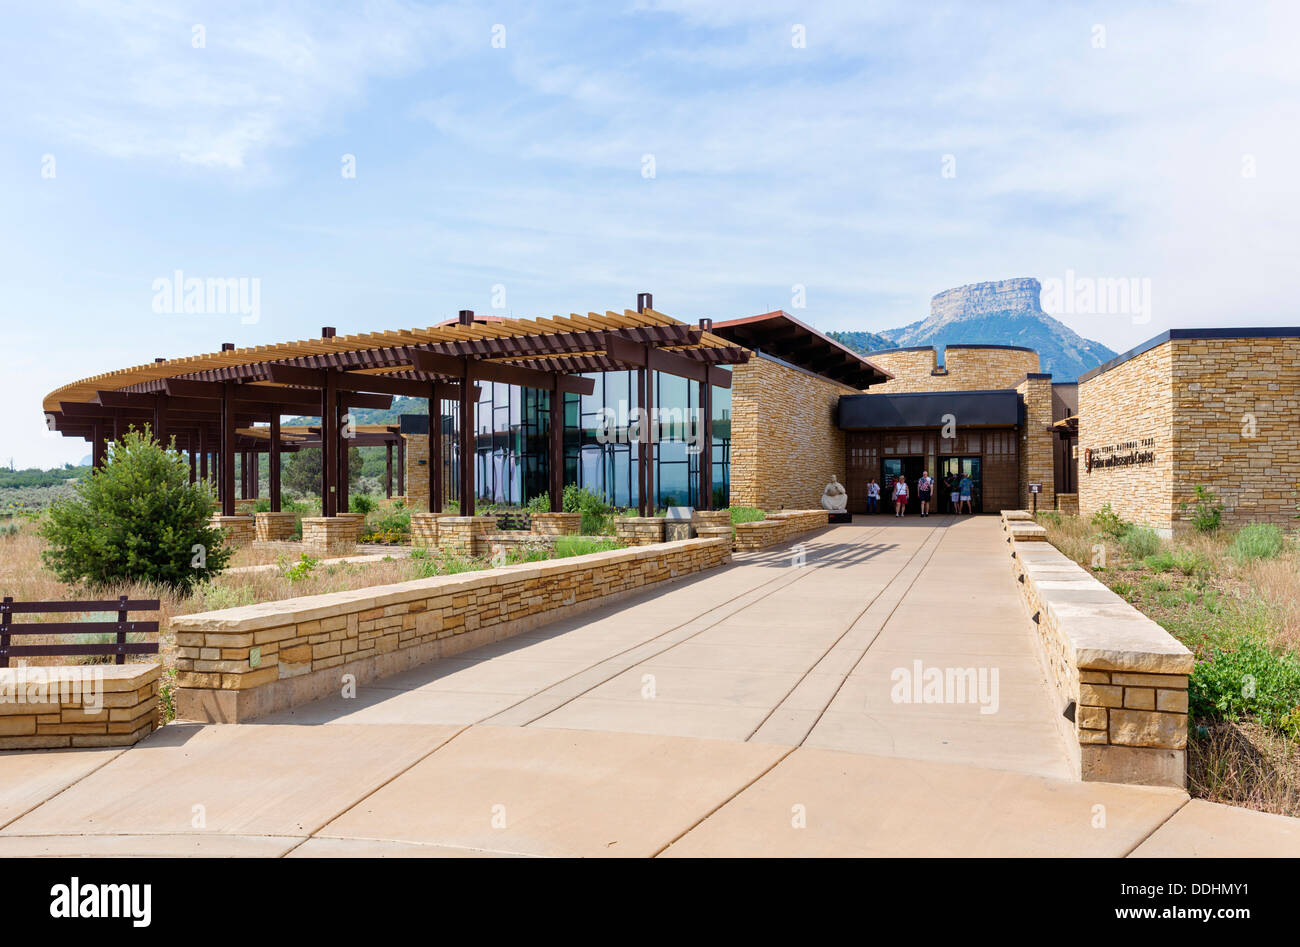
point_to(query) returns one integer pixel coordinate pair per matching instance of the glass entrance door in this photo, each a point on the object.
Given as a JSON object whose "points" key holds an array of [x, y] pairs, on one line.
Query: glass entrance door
{"points": [[952, 471], [891, 469]]}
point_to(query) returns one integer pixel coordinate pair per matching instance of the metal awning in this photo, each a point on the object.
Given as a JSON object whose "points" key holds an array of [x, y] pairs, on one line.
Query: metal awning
{"points": [[998, 408]]}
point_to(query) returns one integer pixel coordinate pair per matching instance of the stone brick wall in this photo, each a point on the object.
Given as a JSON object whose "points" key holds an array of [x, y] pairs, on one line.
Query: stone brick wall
{"points": [[424, 529], [329, 535], [778, 528], [239, 530], [86, 705], [966, 368], [417, 474], [1123, 676], [465, 535], [241, 663], [274, 527], [1130, 404], [1236, 427], [1037, 454], [556, 524], [1068, 503], [785, 445], [639, 530]]}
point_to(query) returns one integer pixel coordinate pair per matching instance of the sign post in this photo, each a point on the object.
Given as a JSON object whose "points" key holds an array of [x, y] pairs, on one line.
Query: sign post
{"points": [[1034, 490]]}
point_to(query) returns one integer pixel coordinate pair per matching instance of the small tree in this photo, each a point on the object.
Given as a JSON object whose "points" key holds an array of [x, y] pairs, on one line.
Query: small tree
{"points": [[137, 518], [302, 472]]}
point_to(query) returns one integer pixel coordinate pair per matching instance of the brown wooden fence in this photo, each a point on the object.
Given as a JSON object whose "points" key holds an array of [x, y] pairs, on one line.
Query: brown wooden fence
{"points": [[119, 628]]}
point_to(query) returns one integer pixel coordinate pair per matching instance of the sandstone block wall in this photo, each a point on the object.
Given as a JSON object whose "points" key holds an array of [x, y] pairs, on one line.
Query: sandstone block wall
{"points": [[329, 535], [83, 705], [1037, 453], [639, 530], [241, 663], [966, 368], [556, 524], [785, 445], [274, 527], [778, 528], [465, 535], [1122, 676], [239, 530]]}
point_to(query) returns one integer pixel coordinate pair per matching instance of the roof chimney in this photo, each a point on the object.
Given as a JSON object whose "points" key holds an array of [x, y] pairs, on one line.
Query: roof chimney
{"points": [[644, 301], [466, 317], [327, 332], [706, 325], [227, 346]]}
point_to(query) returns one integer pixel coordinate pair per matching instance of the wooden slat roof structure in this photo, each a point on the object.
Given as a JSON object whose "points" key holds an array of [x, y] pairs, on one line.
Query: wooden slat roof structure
{"points": [[784, 337], [563, 344]]}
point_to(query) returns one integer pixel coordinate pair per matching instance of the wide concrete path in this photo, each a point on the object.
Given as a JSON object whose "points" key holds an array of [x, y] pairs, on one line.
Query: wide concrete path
{"points": [[749, 711]]}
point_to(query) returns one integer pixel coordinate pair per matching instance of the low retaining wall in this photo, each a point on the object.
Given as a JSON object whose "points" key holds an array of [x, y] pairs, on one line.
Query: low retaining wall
{"points": [[85, 705], [240, 663], [777, 528], [1118, 674], [239, 530], [639, 530], [329, 535], [274, 527]]}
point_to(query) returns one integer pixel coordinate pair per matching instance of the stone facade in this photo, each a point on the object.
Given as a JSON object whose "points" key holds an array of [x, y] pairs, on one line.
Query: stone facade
{"points": [[639, 530], [274, 527], [241, 663], [1118, 674], [465, 535], [556, 524], [785, 444], [777, 528], [329, 535], [424, 529], [1037, 449], [966, 368], [1220, 412], [1068, 503], [85, 705], [239, 530]]}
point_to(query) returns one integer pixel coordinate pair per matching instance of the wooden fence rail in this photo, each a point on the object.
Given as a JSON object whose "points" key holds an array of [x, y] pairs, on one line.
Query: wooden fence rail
{"points": [[119, 628]]}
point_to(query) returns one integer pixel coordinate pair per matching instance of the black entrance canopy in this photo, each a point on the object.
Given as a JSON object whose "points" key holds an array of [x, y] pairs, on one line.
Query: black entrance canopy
{"points": [[999, 408]]}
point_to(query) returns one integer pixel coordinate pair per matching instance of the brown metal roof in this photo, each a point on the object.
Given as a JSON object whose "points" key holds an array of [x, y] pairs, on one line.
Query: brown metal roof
{"points": [[782, 336]]}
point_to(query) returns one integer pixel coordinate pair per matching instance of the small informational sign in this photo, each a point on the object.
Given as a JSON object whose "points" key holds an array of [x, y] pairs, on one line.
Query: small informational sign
{"points": [[680, 512], [1035, 488]]}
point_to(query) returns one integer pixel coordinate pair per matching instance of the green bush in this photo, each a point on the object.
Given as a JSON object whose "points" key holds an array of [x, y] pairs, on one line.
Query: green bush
{"points": [[362, 503], [138, 518], [300, 569], [595, 511], [539, 504], [1051, 517], [1256, 541], [1207, 511], [1140, 542], [1108, 521], [1190, 563], [1248, 680], [745, 514], [1160, 562]]}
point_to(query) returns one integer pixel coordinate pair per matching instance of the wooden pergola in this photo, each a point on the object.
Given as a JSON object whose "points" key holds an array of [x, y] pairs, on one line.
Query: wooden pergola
{"points": [[211, 404]]}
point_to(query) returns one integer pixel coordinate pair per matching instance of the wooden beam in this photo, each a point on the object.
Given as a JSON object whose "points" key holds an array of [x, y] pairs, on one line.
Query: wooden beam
{"points": [[494, 371]]}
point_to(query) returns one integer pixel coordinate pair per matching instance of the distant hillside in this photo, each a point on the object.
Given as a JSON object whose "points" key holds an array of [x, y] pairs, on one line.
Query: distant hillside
{"points": [[1007, 312], [861, 341]]}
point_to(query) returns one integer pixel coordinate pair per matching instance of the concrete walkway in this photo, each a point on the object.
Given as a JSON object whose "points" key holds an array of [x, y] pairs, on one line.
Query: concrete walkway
{"points": [[748, 711]]}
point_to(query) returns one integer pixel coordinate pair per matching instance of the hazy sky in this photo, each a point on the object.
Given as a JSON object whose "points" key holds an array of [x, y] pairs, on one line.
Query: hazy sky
{"points": [[871, 153]]}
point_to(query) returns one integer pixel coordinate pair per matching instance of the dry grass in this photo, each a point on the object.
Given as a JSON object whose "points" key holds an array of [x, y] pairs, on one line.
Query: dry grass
{"points": [[1244, 764]]}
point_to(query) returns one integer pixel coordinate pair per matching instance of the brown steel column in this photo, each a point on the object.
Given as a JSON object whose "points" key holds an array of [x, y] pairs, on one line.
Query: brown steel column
{"points": [[706, 442], [640, 444], [194, 458], [227, 451], [556, 469], [160, 419], [437, 485], [388, 470], [243, 475], [345, 448], [401, 466], [329, 445], [273, 471], [203, 452], [467, 458], [256, 473], [651, 431], [98, 449]]}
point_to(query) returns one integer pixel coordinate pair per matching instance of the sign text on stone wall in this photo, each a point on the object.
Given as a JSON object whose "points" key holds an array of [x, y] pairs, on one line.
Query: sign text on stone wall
{"points": [[1125, 454]]}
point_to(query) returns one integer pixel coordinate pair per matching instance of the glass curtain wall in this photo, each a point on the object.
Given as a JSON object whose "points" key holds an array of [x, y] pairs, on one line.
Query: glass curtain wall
{"points": [[512, 427]]}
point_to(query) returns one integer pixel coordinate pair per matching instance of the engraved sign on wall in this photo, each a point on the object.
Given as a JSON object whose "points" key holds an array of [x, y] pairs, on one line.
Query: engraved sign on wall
{"points": [[1125, 454]]}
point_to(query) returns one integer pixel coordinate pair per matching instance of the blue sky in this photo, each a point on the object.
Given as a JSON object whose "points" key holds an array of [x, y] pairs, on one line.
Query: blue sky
{"points": [[1108, 140]]}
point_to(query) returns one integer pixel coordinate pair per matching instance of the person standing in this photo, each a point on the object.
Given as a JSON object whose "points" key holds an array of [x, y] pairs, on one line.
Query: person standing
{"points": [[954, 498], [924, 488], [964, 488], [873, 496], [900, 496]]}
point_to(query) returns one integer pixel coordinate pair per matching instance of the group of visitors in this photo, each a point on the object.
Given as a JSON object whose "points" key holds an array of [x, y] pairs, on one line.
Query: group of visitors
{"points": [[959, 492]]}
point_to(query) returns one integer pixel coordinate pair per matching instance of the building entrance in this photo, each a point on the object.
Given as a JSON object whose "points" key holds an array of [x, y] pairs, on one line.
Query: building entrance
{"points": [[951, 472], [908, 467]]}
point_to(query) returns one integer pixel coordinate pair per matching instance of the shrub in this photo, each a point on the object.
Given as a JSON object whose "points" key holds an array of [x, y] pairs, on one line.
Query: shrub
{"points": [[1249, 680], [1256, 541], [1140, 542], [362, 503], [1207, 511], [300, 569], [595, 511], [745, 514], [539, 504], [1191, 563], [1160, 562], [137, 518], [1108, 521]]}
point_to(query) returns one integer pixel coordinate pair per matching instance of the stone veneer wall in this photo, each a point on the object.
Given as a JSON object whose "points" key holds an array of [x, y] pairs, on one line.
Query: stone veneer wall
{"points": [[777, 528], [1037, 453], [965, 369], [329, 535], [1236, 427], [785, 444], [239, 530], [1131, 402], [240, 663], [1124, 676], [274, 527], [417, 474], [86, 705]]}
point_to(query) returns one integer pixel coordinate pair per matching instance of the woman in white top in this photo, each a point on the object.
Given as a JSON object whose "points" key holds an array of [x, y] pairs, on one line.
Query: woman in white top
{"points": [[873, 497], [900, 496]]}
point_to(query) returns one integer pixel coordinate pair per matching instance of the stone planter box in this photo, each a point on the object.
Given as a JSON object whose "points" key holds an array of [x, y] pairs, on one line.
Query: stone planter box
{"points": [[711, 518], [465, 535], [82, 705], [240, 663], [714, 532], [778, 527], [557, 524], [639, 530], [424, 529], [273, 527], [239, 530], [329, 535], [512, 540]]}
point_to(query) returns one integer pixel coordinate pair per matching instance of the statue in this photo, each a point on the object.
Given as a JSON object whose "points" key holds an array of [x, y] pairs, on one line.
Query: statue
{"points": [[835, 498]]}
